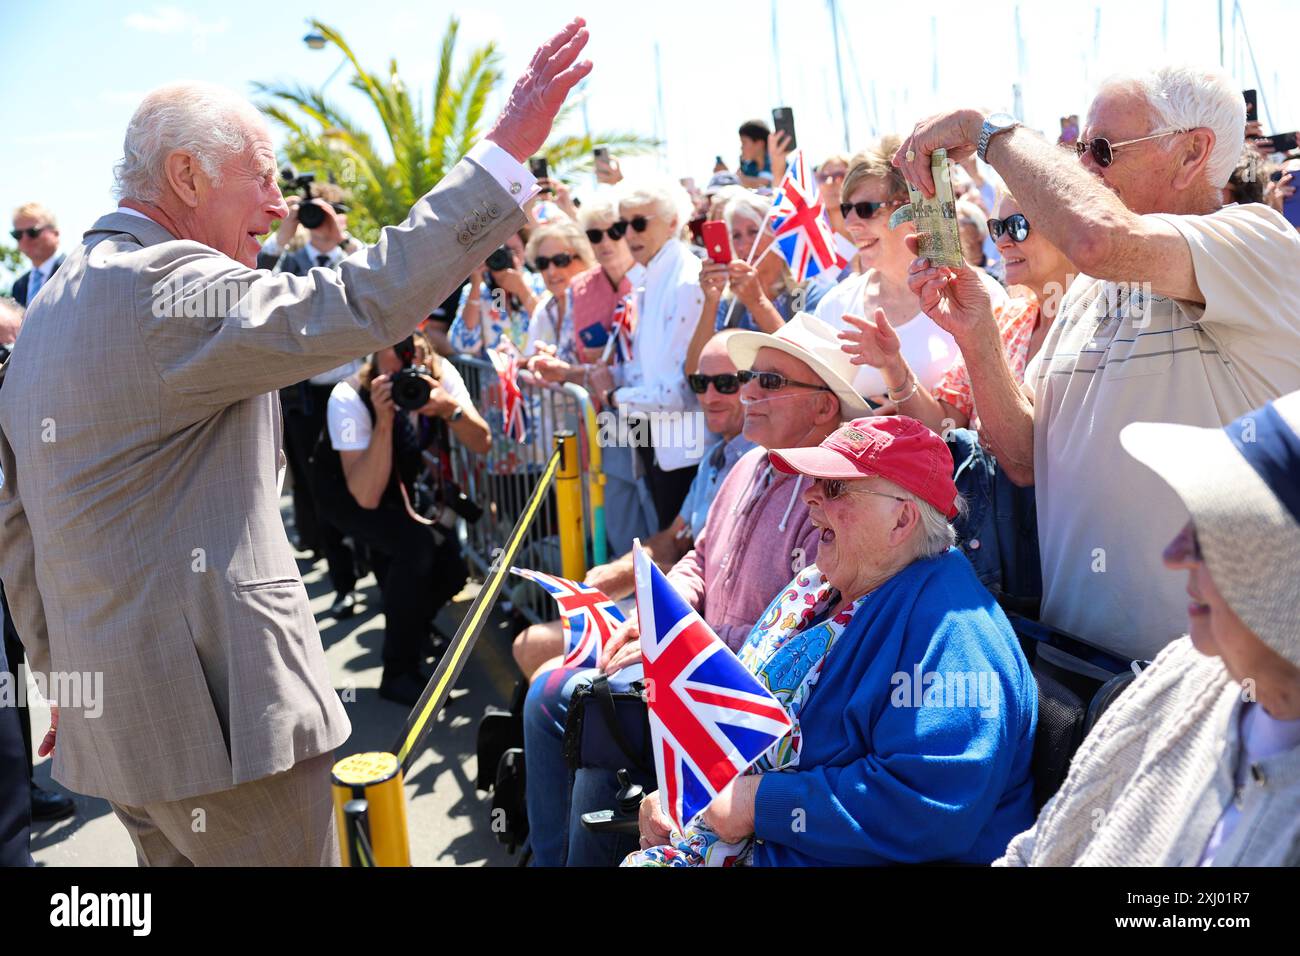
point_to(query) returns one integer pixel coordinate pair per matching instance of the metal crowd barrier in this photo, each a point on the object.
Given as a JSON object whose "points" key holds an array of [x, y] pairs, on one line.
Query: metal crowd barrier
{"points": [[501, 481]]}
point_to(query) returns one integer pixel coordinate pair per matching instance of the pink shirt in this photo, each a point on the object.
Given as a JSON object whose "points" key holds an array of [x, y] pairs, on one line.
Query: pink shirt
{"points": [[593, 300], [756, 537]]}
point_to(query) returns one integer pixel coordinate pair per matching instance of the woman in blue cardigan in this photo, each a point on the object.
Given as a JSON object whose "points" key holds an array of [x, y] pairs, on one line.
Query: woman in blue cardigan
{"points": [[913, 706]]}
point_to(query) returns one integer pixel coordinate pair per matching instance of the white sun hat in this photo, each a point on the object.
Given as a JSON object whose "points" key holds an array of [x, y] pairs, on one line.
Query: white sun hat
{"points": [[1241, 484], [815, 342]]}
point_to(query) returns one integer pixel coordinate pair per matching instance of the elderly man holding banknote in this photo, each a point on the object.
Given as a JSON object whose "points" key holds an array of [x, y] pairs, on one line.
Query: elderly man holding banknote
{"points": [[1189, 313], [140, 534]]}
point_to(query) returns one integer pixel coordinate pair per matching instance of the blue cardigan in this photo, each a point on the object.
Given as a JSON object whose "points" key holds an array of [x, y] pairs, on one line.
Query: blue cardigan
{"points": [[917, 737]]}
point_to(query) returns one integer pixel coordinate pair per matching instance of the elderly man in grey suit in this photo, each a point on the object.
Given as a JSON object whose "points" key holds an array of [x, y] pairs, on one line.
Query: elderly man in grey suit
{"points": [[140, 534]]}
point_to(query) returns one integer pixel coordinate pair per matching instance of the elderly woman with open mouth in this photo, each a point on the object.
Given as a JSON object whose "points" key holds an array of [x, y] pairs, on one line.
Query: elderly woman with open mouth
{"points": [[1198, 762], [914, 709]]}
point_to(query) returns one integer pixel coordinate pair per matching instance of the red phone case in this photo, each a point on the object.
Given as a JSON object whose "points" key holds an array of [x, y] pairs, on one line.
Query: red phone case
{"points": [[717, 242]]}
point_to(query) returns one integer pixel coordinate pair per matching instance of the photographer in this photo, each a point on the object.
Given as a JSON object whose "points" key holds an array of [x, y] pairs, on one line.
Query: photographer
{"points": [[367, 480], [499, 301], [325, 225]]}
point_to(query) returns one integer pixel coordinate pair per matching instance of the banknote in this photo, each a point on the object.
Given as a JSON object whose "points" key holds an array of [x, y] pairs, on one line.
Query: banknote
{"points": [[935, 217]]}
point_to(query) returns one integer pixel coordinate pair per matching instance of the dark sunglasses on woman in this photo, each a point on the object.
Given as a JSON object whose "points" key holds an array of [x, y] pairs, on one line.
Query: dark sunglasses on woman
{"points": [[31, 232], [775, 381], [1016, 226], [639, 223], [615, 232], [561, 261], [1103, 150], [728, 383], [865, 210]]}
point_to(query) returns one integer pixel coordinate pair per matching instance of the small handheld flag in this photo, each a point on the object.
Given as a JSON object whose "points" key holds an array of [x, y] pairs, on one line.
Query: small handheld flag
{"points": [[621, 330], [710, 718], [587, 616], [512, 399], [803, 236]]}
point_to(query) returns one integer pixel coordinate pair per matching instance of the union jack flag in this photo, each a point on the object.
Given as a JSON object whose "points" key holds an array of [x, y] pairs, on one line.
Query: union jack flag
{"points": [[621, 329], [803, 236], [512, 399], [710, 718], [588, 617]]}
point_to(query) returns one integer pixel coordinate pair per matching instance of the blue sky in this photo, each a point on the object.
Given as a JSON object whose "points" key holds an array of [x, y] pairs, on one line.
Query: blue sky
{"points": [[73, 72]]}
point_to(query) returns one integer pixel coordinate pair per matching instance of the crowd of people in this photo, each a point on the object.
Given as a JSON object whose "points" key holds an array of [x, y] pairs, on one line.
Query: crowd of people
{"points": [[913, 470]]}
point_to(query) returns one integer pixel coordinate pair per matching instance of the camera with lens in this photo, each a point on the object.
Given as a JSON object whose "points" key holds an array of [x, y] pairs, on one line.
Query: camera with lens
{"points": [[410, 389], [310, 212], [501, 259]]}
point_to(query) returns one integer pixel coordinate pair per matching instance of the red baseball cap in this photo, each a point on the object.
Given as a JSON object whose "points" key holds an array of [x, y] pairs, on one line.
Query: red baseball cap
{"points": [[893, 447]]}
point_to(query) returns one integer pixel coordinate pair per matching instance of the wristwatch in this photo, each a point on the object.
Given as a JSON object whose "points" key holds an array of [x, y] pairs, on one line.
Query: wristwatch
{"points": [[994, 124], [457, 415]]}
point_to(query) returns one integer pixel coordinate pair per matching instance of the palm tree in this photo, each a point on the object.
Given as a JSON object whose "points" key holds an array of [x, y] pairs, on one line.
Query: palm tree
{"points": [[423, 146]]}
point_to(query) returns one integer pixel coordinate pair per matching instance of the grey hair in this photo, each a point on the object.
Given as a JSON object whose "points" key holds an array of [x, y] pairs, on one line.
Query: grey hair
{"points": [[567, 231], [747, 205], [600, 210], [1187, 97], [937, 532], [666, 195], [209, 122]]}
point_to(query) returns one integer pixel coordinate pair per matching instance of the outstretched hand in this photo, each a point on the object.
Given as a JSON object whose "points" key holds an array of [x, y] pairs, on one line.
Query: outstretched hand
{"points": [[956, 299], [524, 124], [870, 341]]}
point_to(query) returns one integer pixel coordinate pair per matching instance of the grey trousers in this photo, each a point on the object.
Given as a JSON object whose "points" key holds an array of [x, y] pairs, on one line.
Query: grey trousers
{"points": [[286, 819]]}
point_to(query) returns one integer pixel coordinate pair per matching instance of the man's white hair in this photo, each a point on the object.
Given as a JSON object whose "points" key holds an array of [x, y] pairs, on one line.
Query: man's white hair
{"points": [[1187, 97], [209, 122], [747, 205], [667, 196]]}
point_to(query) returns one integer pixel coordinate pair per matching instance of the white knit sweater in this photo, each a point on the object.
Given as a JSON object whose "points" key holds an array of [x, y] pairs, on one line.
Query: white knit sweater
{"points": [[1149, 783]]}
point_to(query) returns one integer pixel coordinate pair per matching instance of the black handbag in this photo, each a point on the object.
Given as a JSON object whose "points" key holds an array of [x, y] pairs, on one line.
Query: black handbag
{"points": [[608, 729]]}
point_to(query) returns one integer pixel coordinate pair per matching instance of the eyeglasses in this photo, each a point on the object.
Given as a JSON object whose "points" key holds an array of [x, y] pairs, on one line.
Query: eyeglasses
{"points": [[1016, 227], [833, 488], [728, 383], [31, 232], [639, 223], [775, 381], [865, 210], [1103, 150], [615, 232], [561, 261]]}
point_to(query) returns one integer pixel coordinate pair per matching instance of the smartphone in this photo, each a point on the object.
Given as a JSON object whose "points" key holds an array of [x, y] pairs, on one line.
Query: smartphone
{"points": [[1252, 105], [601, 153], [1283, 142], [538, 166], [783, 122], [717, 242]]}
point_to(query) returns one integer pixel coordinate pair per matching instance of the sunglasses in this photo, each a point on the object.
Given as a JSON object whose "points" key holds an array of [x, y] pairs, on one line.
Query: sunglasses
{"points": [[561, 261], [1016, 227], [831, 177], [615, 232], [639, 223], [728, 383], [775, 381], [1103, 150], [31, 232], [865, 210], [833, 488]]}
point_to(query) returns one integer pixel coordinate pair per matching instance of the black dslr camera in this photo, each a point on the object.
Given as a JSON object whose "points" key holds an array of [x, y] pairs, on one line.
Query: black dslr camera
{"points": [[410, 390], [310, 213]]}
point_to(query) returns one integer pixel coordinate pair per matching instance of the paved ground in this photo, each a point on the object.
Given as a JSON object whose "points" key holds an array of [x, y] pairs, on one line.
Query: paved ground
{"points": [[448, 818]]}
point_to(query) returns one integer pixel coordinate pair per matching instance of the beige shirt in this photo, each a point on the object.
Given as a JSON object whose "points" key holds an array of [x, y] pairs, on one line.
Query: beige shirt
{"points": [[1118, 355]]}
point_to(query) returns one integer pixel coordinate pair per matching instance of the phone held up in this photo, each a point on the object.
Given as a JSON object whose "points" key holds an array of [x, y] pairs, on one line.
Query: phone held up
{"points": [[717, 243], [783, 122]]}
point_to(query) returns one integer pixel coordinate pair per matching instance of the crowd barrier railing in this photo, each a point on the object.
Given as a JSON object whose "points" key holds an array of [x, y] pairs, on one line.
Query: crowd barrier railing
{"points": [[501, 481]]}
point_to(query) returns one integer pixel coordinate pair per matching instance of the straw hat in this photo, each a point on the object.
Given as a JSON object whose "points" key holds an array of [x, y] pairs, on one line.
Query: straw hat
{"points": [[1241, 484], [813, 341]]}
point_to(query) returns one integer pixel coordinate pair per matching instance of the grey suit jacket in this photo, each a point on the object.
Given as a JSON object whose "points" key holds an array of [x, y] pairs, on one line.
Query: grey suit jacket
{"points": [[140, 531]]}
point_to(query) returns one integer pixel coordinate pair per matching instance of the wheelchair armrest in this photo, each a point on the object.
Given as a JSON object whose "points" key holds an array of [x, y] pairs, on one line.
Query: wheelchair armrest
{"points": [[610, 821]]}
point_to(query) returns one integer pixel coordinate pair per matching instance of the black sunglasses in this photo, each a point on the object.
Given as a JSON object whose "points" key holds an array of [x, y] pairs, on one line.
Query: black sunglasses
{"points": [[1016, 226], [865, 210], [728, 383], [775, 381], [1103, 150], [31, 232], [639, 223], [615, 232], [562, 261]]}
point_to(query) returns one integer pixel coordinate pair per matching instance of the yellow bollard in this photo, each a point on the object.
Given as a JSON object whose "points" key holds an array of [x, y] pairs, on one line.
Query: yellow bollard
{"points": [[568, 500], [376, 778]]}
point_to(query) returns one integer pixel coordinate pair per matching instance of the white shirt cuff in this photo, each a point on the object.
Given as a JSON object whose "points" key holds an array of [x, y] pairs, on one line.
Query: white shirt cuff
{"points": [[505, 169]]}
